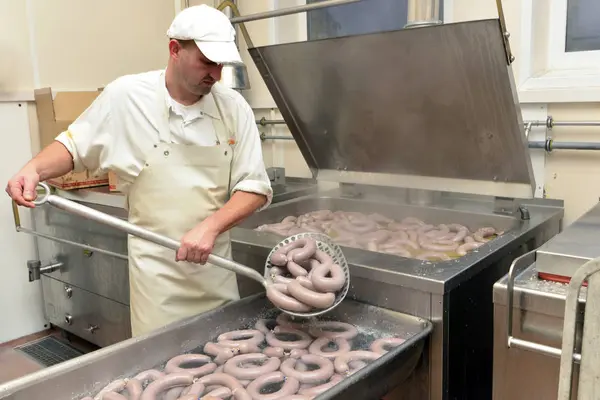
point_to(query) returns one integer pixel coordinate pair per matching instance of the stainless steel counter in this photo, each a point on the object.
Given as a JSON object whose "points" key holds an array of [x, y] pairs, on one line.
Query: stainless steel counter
{"points": [[87, 374], [538, 316]]}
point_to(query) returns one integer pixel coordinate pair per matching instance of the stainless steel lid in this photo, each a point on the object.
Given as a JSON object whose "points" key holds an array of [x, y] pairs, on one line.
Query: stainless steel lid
{"points": [[426, 108]]}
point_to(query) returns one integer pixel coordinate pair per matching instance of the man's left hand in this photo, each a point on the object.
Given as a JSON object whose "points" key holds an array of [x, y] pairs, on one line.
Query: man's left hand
{"points": [[198, 243]]}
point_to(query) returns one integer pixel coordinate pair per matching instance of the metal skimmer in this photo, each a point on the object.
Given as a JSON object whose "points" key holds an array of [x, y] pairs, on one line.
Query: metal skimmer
{"points": [[323, 243]]}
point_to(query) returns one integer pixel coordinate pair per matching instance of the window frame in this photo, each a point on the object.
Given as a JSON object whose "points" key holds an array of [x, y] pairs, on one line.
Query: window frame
{"points": [[548, 74]]}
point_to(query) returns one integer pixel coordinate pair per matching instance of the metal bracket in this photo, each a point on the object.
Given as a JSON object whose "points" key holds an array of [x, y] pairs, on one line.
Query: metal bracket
{"points": [[505, 34], [276, 175], [36, 270]]}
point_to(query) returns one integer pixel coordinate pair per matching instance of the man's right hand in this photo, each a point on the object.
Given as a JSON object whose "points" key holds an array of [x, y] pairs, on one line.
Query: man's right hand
{"points": [[22, 187]]}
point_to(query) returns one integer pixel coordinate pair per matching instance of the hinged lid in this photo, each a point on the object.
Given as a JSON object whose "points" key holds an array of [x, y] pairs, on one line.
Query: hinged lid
{"points": [[425, 108]]}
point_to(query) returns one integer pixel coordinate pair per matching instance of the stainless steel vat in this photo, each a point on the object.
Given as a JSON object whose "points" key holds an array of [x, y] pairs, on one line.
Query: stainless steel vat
{"points": [[528, 341], [89, 373]]}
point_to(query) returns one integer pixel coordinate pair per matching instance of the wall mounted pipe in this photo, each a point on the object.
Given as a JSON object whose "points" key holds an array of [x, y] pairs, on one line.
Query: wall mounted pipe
{"points": [[550, 123], [549, 145]]}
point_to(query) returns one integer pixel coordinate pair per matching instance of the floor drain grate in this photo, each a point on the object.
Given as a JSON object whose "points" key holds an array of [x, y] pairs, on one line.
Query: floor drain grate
{"points": [[49, 351]]}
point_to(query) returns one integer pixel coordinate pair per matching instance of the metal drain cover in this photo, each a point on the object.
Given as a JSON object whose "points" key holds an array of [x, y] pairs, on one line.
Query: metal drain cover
{"points": [[49, 351]]}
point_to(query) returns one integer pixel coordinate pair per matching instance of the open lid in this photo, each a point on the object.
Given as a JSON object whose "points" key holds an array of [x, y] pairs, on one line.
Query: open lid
{"points": [[426, 108]]}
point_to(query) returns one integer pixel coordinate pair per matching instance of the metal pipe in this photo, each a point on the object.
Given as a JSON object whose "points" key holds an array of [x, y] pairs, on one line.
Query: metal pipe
{"points": [[550, 123], [550, 145], [263, 121], [291, 10], [264, 137], [423, 13]]}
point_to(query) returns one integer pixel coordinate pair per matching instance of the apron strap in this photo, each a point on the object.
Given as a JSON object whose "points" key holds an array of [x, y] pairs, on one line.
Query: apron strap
{"points": [[164, 130]]}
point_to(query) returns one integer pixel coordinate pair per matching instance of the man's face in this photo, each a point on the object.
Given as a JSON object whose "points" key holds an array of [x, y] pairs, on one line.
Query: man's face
{"points": [[197, 73]]}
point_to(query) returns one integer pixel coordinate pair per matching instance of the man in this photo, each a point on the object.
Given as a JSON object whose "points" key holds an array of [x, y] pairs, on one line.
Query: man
{"points": [[189, 154]]}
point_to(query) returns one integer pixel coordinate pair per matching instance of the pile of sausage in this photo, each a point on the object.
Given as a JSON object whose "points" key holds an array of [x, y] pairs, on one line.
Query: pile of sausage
{"points": [[305, 278], [411, 237], [292, 361]]}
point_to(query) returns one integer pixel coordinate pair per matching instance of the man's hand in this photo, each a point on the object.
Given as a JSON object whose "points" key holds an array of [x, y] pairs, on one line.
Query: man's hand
{"points": [[22, 187], [198, 243]]}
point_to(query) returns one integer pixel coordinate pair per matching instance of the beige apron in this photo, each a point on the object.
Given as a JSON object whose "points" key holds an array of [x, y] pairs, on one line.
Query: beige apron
{"points": [[177, 189]]}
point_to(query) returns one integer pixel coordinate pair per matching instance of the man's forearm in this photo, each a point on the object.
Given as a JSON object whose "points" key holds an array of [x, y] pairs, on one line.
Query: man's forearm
{"points": [[239, 207], [52, 162]]}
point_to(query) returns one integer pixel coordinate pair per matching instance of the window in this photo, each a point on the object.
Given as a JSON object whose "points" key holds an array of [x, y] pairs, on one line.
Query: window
{"points": [[583, 25], [358, 18], [574, 33], [559, 51]]}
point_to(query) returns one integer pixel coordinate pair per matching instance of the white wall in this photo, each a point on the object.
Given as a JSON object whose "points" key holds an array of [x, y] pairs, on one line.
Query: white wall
{"points": [[67, 45]]}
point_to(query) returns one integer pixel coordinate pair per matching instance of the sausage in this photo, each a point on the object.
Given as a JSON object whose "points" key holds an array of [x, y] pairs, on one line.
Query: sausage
{"points": [[380, 345], [359, 226], [273, 351], [302, 342], [290, 218], [324, 283], [317, 390], [282, 279], [333, 329], [220, 353], [165, 383], [293, 266], [341, 344], [253, 335], [380, 219], [246, 340], [341, 362], [438, 247], [173, 393], [296, 353], [463, 249], [377, 237], [149, 375], [398, 251], [401, 242], [427, 256], [196, 389], [114, 386], [310, 297], [323, 373], [403, 235], [305, 252], [277, 294], [236, 366], [230, 382], [290, 386], [306, 282], [412, 221], [321, 214], [176, 363], [280, 256], [218, 394], [482, 233], [134, 389]]}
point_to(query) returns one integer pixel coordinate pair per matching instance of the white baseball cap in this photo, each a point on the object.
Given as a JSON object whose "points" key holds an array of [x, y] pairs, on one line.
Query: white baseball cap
{"points": [[210, 29]]}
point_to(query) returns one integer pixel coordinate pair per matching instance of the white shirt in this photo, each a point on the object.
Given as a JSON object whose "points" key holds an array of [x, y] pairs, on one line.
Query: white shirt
{"points": [[121, 126]]}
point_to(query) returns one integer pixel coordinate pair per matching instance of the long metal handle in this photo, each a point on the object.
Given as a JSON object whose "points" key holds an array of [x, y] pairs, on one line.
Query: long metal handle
{"points": [[291, 10], [519, 265], [117, 223], [570, 324]]}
